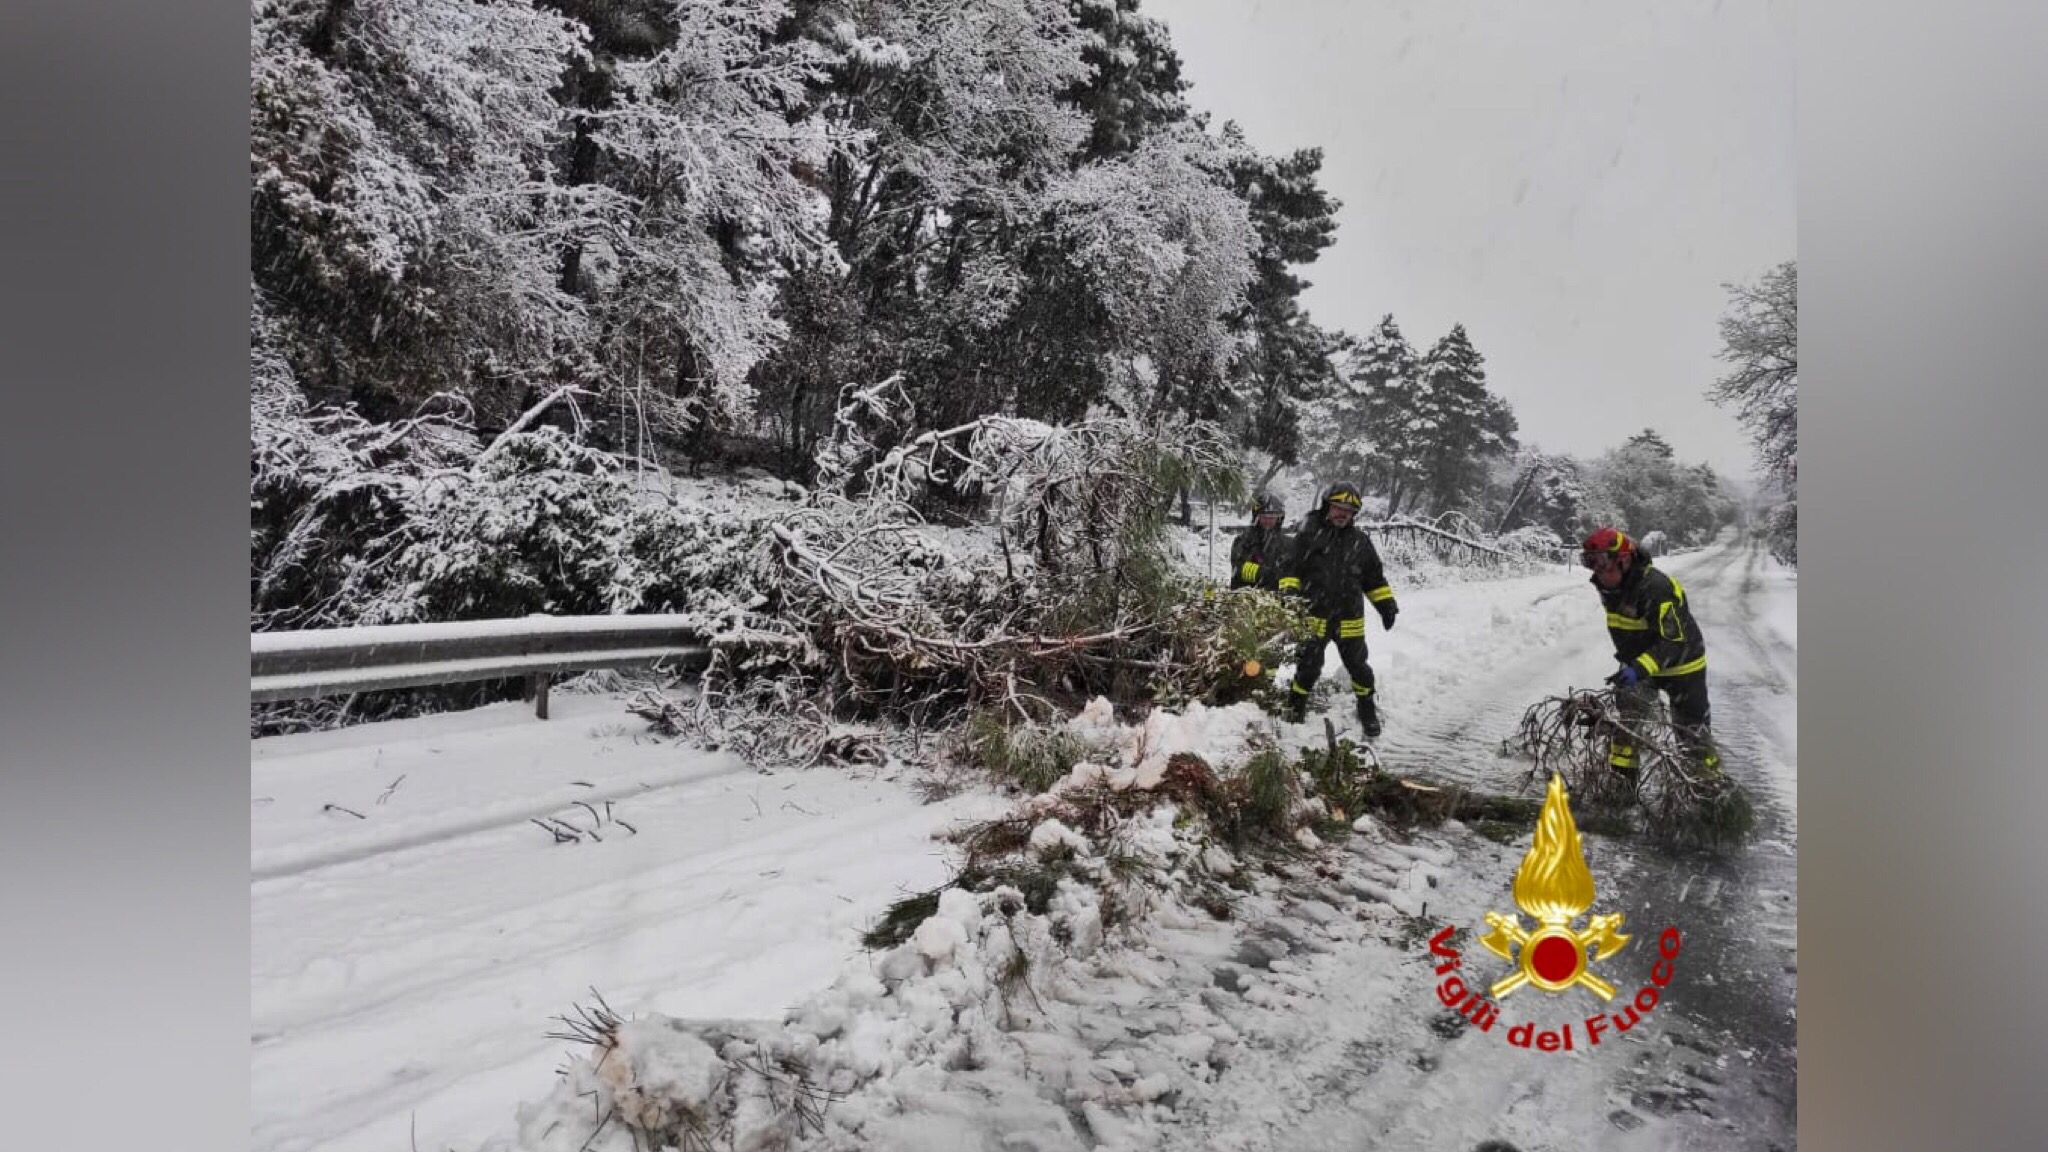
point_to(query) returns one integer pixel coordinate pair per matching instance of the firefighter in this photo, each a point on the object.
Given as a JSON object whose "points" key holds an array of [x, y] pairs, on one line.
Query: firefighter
{"points": [[1657, 642], [1333, 565], [1260, 551]]}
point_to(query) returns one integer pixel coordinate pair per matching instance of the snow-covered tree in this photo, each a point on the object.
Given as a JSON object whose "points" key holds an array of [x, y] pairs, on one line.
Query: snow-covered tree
{"points": [[1288, 361], [402, 222], [1134, 86], [1760, 343], [1165, 250], [700, 204], [948, 124], [1536, 488], [1432, 423], [1644, 487], [1460, 424], [1375, 425]]}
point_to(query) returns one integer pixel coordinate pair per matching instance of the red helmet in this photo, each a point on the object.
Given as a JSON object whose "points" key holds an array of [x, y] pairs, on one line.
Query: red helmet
{"points": [[1609, 541]]}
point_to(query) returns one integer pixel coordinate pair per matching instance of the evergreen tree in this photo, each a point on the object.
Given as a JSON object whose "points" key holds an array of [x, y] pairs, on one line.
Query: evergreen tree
{"points": [[1287, 360], [1459, 424], [1134, 86], [1374, 423]]}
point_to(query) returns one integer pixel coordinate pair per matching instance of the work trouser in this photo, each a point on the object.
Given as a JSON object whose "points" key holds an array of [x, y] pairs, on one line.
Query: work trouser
{"points": [[1350, 637], [1690, 718]]}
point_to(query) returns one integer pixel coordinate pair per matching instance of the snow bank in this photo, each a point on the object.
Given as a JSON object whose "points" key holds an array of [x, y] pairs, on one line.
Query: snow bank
{"points": [[1001, 1017]]}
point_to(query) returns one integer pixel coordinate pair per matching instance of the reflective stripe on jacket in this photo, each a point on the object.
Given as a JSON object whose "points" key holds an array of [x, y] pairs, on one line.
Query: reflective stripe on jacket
{"points": [[1649, 621], [1336, 569], [1257, 557]]}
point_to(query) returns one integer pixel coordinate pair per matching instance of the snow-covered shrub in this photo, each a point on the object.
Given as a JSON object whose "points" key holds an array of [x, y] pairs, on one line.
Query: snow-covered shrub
{"points": [[687, 559], [1534, 541], [354, 522], [655, 1082], [536, 526], [1029, 756], [330, 493], [1656, 542], [1781, 529]]}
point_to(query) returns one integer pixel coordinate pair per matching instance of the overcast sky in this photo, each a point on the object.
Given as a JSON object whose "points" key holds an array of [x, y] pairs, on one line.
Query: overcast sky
{"points": [[1573, 181]]}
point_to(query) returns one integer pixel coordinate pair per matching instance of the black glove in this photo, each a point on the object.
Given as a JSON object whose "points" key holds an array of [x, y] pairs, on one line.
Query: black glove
{"points": [[1387, 613]]}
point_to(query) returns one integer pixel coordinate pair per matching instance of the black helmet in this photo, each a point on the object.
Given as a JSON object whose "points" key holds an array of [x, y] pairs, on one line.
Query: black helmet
{"points": [[1268, 505], [1343, 492]]}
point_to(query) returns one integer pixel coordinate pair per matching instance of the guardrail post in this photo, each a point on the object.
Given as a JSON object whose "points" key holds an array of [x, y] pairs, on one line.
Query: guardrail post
{"points": [[537, 691]]}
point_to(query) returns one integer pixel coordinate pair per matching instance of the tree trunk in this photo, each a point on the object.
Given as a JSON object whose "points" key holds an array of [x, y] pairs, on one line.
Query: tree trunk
{"points": [[1514, 500], [1266, 477]]}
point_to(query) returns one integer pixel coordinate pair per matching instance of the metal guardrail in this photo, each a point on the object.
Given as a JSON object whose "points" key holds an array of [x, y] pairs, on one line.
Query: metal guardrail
{"points": [[340, 661]]}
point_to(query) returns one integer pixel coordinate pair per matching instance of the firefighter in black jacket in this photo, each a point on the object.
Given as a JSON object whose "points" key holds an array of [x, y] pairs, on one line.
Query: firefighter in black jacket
{"points": [[1657, 642], [1333, 565], [1261, 550]]}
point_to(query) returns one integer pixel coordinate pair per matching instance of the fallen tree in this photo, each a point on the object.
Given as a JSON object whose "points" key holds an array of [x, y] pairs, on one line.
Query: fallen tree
{"points": [[1676, 799], [1070, 589]]}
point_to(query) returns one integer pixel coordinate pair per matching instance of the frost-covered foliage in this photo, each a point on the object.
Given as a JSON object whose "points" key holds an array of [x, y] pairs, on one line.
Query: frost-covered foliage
{"points": [[1078, 590], [329, 491], [1163, 247], [713, 216], [353, 522], [1134, 86], [700, 202], [394, 213]]}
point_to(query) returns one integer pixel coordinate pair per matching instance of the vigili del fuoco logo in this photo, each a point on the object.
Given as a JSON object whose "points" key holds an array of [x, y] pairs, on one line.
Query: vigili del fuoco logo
{"points": [[1555, 888]]}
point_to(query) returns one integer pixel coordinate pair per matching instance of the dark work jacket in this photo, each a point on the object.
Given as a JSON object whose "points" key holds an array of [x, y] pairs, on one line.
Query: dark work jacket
{"points": [[1257, 557], [1649, 621], [1336, 569]]}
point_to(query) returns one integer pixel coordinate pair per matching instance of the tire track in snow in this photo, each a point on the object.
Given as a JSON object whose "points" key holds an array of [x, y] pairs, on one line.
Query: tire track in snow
{"points": [[284, 865], [1715, 1068]]}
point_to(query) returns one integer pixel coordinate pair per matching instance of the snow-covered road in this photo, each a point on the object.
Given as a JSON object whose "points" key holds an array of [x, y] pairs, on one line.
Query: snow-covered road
{"points": [[1368, 1058], [409, 950]]}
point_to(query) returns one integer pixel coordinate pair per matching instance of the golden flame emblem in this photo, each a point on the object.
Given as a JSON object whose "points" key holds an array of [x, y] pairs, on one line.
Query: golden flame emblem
{"points": [[1554, 886]]}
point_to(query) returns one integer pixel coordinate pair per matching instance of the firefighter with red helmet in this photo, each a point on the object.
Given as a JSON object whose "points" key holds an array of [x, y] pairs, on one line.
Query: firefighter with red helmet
{"points": [[1657, 642], [1333, 565]]}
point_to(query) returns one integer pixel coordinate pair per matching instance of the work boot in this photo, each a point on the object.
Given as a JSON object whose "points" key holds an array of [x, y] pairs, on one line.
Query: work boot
{"points": [[1296, 710], [1369, 717]]}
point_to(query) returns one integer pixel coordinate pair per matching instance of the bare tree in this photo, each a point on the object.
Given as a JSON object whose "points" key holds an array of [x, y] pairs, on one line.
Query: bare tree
{"points": [[1760, 342]]}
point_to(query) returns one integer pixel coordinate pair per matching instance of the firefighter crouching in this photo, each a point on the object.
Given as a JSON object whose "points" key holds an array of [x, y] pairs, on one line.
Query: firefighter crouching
{"points": [[1261, 550], [1334, 566], [1657, 642]]}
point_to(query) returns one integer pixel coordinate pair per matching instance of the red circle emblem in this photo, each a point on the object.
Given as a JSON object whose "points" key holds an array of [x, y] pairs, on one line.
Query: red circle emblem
{"points": [[1555, 959]]}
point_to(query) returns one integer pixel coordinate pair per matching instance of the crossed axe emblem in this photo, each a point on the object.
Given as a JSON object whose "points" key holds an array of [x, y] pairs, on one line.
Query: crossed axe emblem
{"points": [[1553, 957]]}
